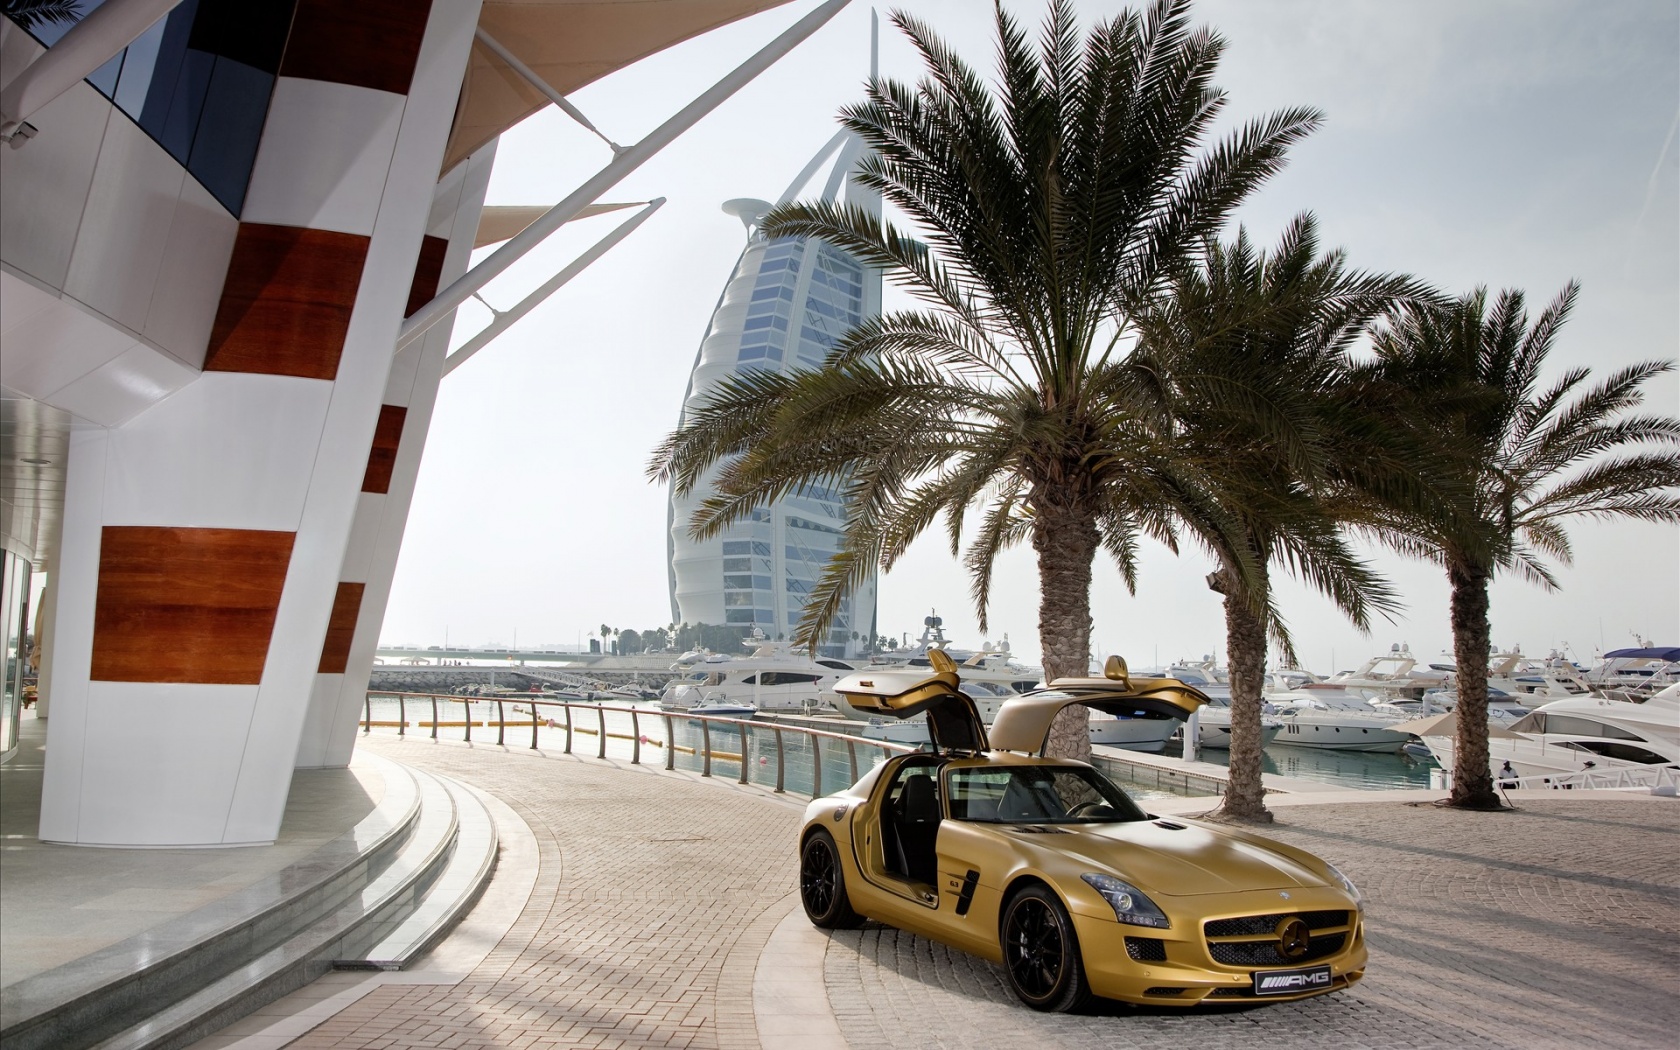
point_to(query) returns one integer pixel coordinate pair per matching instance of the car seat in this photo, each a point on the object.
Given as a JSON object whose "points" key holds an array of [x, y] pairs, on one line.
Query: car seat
{"points": [[918, 827]]}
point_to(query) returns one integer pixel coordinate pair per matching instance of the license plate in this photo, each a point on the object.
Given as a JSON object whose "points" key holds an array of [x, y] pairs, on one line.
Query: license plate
{"points": [[1292, 982]]}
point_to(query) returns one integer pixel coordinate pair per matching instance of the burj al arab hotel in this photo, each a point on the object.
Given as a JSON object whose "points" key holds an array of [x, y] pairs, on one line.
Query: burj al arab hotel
{"points": [[786, 303]]}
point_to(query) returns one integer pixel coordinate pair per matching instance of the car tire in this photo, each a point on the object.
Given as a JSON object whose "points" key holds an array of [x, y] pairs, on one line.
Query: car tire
{"points": [[822, 884], [1041, 957]]}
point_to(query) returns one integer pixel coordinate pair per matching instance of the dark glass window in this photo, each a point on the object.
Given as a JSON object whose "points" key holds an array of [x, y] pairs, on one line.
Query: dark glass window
{"points": [[1578, 726], [198, 82]]}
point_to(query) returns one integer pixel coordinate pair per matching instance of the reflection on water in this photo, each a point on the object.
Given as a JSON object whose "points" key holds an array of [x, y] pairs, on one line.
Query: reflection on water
{"points": [[806, 765], [1361, 770]]}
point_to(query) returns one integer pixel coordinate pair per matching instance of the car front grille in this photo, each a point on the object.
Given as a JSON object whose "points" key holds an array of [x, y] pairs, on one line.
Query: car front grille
{"points": [[1146, 949], [1252, 940], [1261, 953]]}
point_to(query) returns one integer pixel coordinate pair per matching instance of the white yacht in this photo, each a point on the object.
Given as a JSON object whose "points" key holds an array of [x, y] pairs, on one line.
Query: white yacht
{"points": [[1584, 733], [1327, 717], [1214, 724], [1632, 674], [1392, 675], [1133, 734], [772, 678]]}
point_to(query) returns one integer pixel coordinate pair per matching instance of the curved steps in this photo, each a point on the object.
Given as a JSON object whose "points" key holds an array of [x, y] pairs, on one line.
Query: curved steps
{"points": [[376, 896]]}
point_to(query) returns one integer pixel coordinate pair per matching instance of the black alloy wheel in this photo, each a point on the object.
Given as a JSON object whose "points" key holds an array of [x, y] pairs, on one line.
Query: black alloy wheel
{"points": [[1041, 952], [822, 884]]}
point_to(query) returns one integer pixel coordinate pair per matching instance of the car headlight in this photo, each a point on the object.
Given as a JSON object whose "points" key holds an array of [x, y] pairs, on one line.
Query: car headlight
{"points": [[1130, 905], [1347, 883]]}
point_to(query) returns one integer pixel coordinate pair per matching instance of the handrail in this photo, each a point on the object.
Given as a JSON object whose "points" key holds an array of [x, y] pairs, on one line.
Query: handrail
{"points": [[1588, 779], [705, 751]]}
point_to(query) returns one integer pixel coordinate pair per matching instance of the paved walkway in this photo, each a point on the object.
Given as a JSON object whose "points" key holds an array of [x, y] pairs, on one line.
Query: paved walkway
{"points": [[661, 915]]}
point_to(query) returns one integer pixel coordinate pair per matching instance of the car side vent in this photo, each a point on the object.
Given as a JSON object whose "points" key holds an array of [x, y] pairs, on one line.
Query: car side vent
{"points": [[1169, 825]]}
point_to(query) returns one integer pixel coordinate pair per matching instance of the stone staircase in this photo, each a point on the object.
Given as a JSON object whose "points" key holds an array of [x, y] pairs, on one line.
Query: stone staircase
{"points": [[375, 897]]}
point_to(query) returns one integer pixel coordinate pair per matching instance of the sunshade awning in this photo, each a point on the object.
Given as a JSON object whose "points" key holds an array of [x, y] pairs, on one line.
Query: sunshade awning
{"points": [[1657, 653], [498, 222], [570, 43], [1446, 725]]}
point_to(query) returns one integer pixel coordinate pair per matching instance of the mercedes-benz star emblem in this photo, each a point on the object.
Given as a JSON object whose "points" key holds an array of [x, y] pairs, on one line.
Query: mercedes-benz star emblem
{"points": [[1294, 938]]}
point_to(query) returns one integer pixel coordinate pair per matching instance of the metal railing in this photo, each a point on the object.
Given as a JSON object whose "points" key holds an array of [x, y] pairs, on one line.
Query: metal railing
{"points": [[590, 718], [1587, 779]]}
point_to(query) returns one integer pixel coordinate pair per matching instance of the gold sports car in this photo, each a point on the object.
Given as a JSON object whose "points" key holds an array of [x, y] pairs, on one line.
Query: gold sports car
{"points": [[1045, 866]]}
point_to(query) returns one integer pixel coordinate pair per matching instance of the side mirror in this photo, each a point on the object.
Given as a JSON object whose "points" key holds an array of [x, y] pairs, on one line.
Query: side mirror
{"points": [[1115, 670]]}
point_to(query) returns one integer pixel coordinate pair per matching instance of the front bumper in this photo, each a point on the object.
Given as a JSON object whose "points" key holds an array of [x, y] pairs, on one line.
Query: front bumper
{"points": [[1179, 968]]}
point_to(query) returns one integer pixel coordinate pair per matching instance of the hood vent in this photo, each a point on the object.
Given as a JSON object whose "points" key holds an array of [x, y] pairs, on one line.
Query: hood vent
{"points": [[1169, 825]]}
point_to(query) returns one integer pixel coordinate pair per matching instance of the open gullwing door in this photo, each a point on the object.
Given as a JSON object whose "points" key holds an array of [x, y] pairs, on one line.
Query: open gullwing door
{"points": [[1023, 723], [953, 721]]}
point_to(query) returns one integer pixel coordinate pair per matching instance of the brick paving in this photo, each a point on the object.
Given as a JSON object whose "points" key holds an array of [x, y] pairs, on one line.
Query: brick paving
{"points": [[654, 893], [1554, 926]]}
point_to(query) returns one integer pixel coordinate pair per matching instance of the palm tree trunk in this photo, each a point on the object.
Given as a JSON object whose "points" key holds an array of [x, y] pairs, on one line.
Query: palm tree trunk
{"points": [[1066, 544], [1245, 655], [1472, 783]]}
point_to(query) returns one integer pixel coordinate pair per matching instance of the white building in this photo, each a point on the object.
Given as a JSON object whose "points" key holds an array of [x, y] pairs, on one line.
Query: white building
{"points": [[233, 234], [786, 303]]}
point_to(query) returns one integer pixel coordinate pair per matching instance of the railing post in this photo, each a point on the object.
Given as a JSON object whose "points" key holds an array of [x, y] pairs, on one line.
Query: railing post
{"points": [[851, 754], [743, 752], [706, 739], [534, 724], [434, 716], [601, 751], [402, 715], [367, 714], [466, 706], [781, 766], [635, 738], [670, 742], [816, 767], [568, 706], [501, 723]]}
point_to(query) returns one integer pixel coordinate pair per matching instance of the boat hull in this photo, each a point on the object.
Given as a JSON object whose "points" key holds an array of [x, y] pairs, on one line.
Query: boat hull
{"points": [[1134, 734], [1341, 737]]}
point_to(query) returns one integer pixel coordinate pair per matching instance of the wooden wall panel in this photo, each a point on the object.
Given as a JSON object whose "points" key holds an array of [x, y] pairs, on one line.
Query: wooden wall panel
{"points": [[427, 269], [187, 605], [286, 302], [368, 43], [382, 457], [341, 628]]}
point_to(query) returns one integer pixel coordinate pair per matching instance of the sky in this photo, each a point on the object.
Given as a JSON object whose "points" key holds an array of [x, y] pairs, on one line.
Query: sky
{"points": [[1498, 143]]}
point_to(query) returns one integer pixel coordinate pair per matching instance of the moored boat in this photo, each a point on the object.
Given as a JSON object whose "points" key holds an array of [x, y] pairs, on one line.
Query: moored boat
{"points": [[1583, 733], [1327, 717]]}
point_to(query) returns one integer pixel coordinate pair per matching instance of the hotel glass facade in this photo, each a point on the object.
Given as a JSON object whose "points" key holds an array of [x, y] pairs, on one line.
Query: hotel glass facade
{"points": [[787, 303]]}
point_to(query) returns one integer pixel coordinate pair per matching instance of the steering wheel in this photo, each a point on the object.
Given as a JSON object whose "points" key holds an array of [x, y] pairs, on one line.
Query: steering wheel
{"points": [[1092, 809]]}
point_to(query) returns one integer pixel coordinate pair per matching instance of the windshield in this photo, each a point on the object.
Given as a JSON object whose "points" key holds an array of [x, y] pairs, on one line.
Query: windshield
{"points": [[1037, 795]]}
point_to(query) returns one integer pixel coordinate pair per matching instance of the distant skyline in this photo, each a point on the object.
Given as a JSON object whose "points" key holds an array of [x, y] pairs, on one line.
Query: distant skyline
{"points": [[1508, 144]]}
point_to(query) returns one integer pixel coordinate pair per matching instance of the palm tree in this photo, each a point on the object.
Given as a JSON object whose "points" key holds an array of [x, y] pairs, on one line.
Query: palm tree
{"points": [[1529, 459], [1244, 362], [1044, 214]]}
